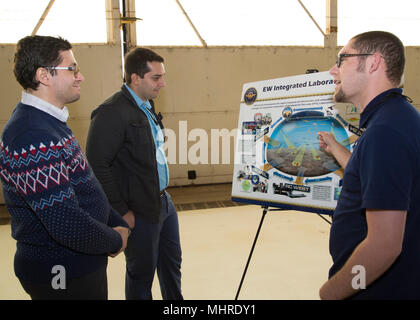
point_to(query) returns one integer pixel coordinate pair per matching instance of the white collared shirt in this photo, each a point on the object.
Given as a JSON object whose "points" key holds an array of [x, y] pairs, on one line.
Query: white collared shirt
{"points": [[56, 112]]}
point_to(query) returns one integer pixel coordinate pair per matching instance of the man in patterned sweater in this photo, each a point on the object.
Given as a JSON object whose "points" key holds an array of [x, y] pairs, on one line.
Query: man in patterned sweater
{"points": [[64, 226]]}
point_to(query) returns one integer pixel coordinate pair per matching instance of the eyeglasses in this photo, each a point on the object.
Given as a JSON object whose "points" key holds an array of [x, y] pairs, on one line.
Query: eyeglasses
{"points": [[344, 55], [74, 68]]}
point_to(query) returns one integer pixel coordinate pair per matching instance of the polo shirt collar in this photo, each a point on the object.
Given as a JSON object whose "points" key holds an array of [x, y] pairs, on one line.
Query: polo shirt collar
{"points": [[373, 106], [38, 103]]}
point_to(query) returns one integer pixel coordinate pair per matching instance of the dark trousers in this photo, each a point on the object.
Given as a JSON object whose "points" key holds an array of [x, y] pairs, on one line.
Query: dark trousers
{"points": [[154, 247], [93, 286]]}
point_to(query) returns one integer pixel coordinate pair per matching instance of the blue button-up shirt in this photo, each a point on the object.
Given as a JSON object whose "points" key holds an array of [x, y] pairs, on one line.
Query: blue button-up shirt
{"points": [[162, 164]]}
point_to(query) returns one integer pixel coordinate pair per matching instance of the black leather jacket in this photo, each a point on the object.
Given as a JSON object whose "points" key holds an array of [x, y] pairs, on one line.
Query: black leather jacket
{"points": [[121, 151]]}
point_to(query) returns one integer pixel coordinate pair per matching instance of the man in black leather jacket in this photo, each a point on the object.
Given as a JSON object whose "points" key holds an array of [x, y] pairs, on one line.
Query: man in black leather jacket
{"points": [[125, 151]]}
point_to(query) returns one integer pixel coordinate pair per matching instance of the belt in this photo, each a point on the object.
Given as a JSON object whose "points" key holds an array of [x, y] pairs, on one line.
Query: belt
{"points": [[162, 192]]}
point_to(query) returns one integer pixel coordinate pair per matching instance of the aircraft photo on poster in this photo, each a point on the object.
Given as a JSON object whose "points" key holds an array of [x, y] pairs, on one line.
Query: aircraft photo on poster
{"points": [[278, 160]]}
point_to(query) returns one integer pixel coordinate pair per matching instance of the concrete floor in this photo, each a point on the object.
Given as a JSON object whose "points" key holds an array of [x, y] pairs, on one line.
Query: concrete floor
{"points": [[290, 260]]}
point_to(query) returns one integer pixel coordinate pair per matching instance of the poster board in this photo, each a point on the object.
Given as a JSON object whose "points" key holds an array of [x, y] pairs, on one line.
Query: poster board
{"points": [[278, 160]]}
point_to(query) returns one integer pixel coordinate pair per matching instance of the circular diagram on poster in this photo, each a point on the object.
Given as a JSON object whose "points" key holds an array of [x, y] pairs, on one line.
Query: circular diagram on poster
{"points": [[293, 147]]}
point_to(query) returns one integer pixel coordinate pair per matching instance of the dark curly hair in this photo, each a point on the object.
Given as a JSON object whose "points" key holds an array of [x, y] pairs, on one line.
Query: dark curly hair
{"points": [[136, 62], [33, 52]]}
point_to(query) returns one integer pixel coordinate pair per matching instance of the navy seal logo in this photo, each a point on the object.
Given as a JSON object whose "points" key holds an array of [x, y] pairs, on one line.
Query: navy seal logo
{"points": [[250, 96]]}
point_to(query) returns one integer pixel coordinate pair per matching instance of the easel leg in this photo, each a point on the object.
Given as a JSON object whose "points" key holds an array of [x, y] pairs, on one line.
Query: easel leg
{"points": [[252, 250]]}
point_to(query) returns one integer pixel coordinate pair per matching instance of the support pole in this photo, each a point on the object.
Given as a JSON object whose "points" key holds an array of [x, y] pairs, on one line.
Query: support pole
{"points": [[128, 25], [330, 40], [113, 25]]}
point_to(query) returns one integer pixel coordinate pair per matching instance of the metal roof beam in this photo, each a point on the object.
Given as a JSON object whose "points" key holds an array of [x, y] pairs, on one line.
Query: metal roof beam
{"points": [[192, 24], [41, 20], [312, 18]]}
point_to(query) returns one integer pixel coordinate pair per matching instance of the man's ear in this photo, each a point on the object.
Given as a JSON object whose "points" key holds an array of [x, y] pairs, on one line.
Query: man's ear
{"points": [[376, 61], [134, 78], [42, 75]]}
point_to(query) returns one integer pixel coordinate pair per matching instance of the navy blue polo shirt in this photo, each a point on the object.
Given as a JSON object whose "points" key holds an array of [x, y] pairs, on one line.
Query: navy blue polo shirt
{"points": [[382, 173]]}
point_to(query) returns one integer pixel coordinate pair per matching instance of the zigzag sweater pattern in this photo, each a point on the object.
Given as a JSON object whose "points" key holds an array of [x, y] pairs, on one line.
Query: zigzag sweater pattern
{"points": [[59, 212]]}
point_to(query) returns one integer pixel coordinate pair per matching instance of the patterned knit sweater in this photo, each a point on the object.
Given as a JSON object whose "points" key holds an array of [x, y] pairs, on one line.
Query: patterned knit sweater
{"points": [[59, 212]]}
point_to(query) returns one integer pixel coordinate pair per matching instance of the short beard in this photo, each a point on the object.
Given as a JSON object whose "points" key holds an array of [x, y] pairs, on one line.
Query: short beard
{"points": [[340, 96]]}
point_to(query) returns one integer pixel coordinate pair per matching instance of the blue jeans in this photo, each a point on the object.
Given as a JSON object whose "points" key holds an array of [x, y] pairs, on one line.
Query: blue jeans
{"points": [[154, 246]]}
